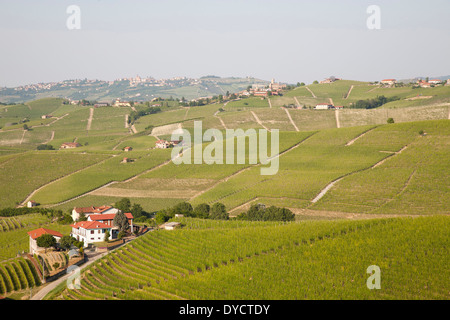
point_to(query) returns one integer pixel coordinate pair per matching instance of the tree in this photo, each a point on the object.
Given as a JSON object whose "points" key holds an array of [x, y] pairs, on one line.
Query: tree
{"points": [[218, 212], [161, 217], [66, 242], [184, 208], [316, 82], [390, 120], [136, 210], [82, 217], [46, 241], [25, 127], [121, 221], [202, 211], [107, 235], [56, 265], [123, 205], [45, 147]]}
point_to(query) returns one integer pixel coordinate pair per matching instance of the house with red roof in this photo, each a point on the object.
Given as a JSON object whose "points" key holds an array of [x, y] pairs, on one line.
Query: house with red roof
{"points": [[389, 81], [70, 145], [90, 231], [34, 234], [162, 144], [87, 211], [108, 219]]}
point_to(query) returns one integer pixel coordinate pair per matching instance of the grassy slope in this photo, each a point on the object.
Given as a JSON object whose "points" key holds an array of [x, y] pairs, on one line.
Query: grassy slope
{"points": [[307, 260]]}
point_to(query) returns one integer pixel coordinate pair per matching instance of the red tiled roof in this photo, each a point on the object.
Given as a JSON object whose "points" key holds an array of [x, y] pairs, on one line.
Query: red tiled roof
{"points": [[92, 209], [108, 216], [90, 225], [34, 234]]}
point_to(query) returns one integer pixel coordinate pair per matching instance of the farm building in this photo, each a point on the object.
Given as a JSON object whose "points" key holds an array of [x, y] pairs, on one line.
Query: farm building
{"points": [[90, 232], [435, 81], [127, 149], [31, 204], [108, 219], [87, 211], [424, 84], [46, 116], [119, 103], [170, 225], [260, 93], [324, 106], [329, 80], [388, 81], [162, 144], [126, 160], [34, 234], [70, 145], [101, 104]]}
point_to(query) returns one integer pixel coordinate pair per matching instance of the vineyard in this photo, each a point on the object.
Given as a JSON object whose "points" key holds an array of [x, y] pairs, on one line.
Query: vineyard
{"points": [[248, 260], [18, 274]]}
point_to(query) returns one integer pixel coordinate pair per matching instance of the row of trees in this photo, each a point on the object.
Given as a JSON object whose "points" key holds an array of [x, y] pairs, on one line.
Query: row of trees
{"points": [[203, 211], [259, 212], [373, 103], [134, 115]]}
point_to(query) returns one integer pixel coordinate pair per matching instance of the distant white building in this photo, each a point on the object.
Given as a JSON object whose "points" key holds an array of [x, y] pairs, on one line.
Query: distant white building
{"points": [[162, 144], [435, 81], [324, 106], [118, 103], [31, 204], [170, 225], [389, 81]]}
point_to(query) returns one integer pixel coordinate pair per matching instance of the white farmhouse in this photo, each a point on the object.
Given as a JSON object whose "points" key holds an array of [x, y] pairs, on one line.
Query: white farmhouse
{"points": [[90, 232], [87, 211]]}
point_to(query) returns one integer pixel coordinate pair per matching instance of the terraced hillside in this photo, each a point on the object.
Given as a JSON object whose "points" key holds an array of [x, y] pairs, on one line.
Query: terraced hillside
{"points": [[270, 261]]}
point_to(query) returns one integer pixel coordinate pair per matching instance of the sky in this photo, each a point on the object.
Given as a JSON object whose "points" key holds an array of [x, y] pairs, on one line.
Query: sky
{"points": [[288, 40]]}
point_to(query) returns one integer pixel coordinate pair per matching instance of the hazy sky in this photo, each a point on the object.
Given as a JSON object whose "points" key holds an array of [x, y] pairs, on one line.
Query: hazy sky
{"points": [[289, 40]]}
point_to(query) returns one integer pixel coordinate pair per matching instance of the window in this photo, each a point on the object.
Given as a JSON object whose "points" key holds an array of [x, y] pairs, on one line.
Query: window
{"points": [[92, 231]]}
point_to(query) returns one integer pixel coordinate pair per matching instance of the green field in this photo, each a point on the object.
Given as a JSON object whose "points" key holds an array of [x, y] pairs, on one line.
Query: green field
{"points": [[364, 192], [269, 261]]}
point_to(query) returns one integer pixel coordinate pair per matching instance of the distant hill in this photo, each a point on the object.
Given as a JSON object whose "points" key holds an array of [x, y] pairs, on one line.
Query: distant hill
{"points": [[135, 89], [423, 78]]}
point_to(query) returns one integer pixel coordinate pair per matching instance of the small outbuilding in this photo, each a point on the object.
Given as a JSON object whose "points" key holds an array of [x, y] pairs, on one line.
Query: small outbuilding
{"points": [[170, 225]]}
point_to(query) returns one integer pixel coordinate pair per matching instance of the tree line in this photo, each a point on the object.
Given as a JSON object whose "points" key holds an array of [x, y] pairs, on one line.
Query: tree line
{"points": [[373, 103]]}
